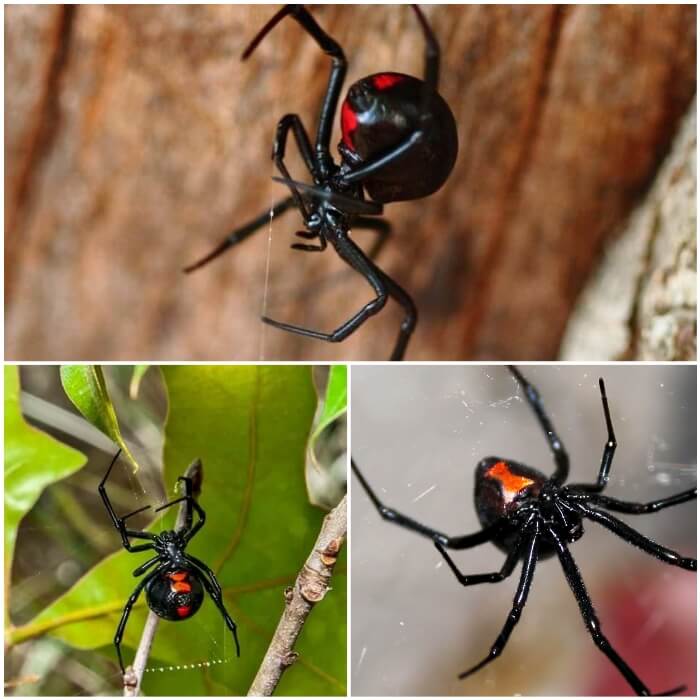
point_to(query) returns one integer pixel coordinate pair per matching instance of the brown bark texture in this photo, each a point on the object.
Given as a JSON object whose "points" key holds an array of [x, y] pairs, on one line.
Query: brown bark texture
{"points": [[641, 303], [135, 139]]}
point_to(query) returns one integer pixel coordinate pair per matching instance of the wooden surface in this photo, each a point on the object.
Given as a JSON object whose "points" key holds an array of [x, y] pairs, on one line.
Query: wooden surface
{"points": [[135, 139]]}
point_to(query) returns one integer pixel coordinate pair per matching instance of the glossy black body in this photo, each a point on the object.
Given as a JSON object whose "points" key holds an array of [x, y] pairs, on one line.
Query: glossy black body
{"points": [[166, 597], [493, 504], [530, 516], [385, 113], [403, 146], [174, 580]]}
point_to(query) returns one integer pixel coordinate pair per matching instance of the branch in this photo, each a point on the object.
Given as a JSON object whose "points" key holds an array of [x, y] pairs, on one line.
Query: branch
{"points": [[133, 676], [309, 588]]}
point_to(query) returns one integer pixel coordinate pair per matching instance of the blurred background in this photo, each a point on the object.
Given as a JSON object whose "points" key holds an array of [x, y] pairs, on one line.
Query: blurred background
{"points": [[66, 533], [418, 433], [136, 140]]}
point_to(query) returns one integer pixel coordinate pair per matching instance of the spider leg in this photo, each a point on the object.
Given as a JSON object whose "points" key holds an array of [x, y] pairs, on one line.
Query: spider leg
{"points": [[526, 575], [346, 203], [292, 121], [349, 252], [214, 591], [127, 611], [561, 458], [381, 227], [189, 501], [635, 538], [124, 518], [201, 565], [636, 508], [578, 588], [335, 82], [410, 319], [146, 566], [430, 85], [608, 450], [119, 522], [241, 233], [308, 248], [394, 516], [103, 493], [473, 579], [188, 530], [431, 74]]}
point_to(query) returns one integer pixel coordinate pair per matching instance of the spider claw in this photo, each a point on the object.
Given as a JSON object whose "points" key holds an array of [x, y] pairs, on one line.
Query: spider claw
{"points": [[474, 669], [673, 691], [276, 18]]}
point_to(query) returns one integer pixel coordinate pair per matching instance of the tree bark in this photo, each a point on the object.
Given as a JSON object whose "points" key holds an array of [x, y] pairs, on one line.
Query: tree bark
{"points": [[136, 139], [641, 303]]}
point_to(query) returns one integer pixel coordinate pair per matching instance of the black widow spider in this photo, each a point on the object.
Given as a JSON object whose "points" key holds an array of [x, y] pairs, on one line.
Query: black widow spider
{"points": [[175, 588], [531, 516], [399, 142]]}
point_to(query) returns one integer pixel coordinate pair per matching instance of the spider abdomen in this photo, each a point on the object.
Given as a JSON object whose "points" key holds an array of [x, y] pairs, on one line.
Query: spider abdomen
{"points": [[175, 594], [500, 489], [378, 114]]}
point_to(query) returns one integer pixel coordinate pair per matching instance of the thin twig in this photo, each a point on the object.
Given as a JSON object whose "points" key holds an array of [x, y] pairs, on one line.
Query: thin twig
{"points": [[310, 587], [133, 676]]}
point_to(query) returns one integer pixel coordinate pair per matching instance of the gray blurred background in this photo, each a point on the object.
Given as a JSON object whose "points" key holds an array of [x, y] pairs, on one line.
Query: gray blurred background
{"points": [[418, 432]]}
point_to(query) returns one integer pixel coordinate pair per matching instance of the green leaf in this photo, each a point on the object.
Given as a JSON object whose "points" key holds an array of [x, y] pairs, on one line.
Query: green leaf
{"points": [[326, 457], [33, 461], [85, 386], [136, 377], [336, 399], [250, 426]]}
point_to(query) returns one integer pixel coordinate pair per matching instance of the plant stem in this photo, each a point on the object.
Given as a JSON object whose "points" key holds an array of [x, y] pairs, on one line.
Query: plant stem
{"points": [[134, 673], [133, 676], [310, 587]]}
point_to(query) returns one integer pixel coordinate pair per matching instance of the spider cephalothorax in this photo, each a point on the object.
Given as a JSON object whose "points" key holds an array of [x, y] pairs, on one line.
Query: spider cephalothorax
{"points": [[531, 516], [399, 142], [518, 498], [176, 581]]}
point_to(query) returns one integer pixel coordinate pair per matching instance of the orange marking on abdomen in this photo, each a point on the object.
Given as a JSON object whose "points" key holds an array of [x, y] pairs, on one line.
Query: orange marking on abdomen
{"points": [[180, 583], [511, 482], [184, 611]]}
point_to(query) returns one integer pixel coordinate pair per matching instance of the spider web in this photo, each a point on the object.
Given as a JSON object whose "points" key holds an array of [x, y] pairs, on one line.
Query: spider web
{"points": [[463, 415], [268, 255], [220, 646], [268, 260]]}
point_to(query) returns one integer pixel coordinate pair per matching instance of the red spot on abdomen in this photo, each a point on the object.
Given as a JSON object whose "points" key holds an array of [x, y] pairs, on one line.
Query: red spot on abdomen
{"points": [[384, 81], [348, 124], [184, 610], [512, 483], [180, 584]]}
